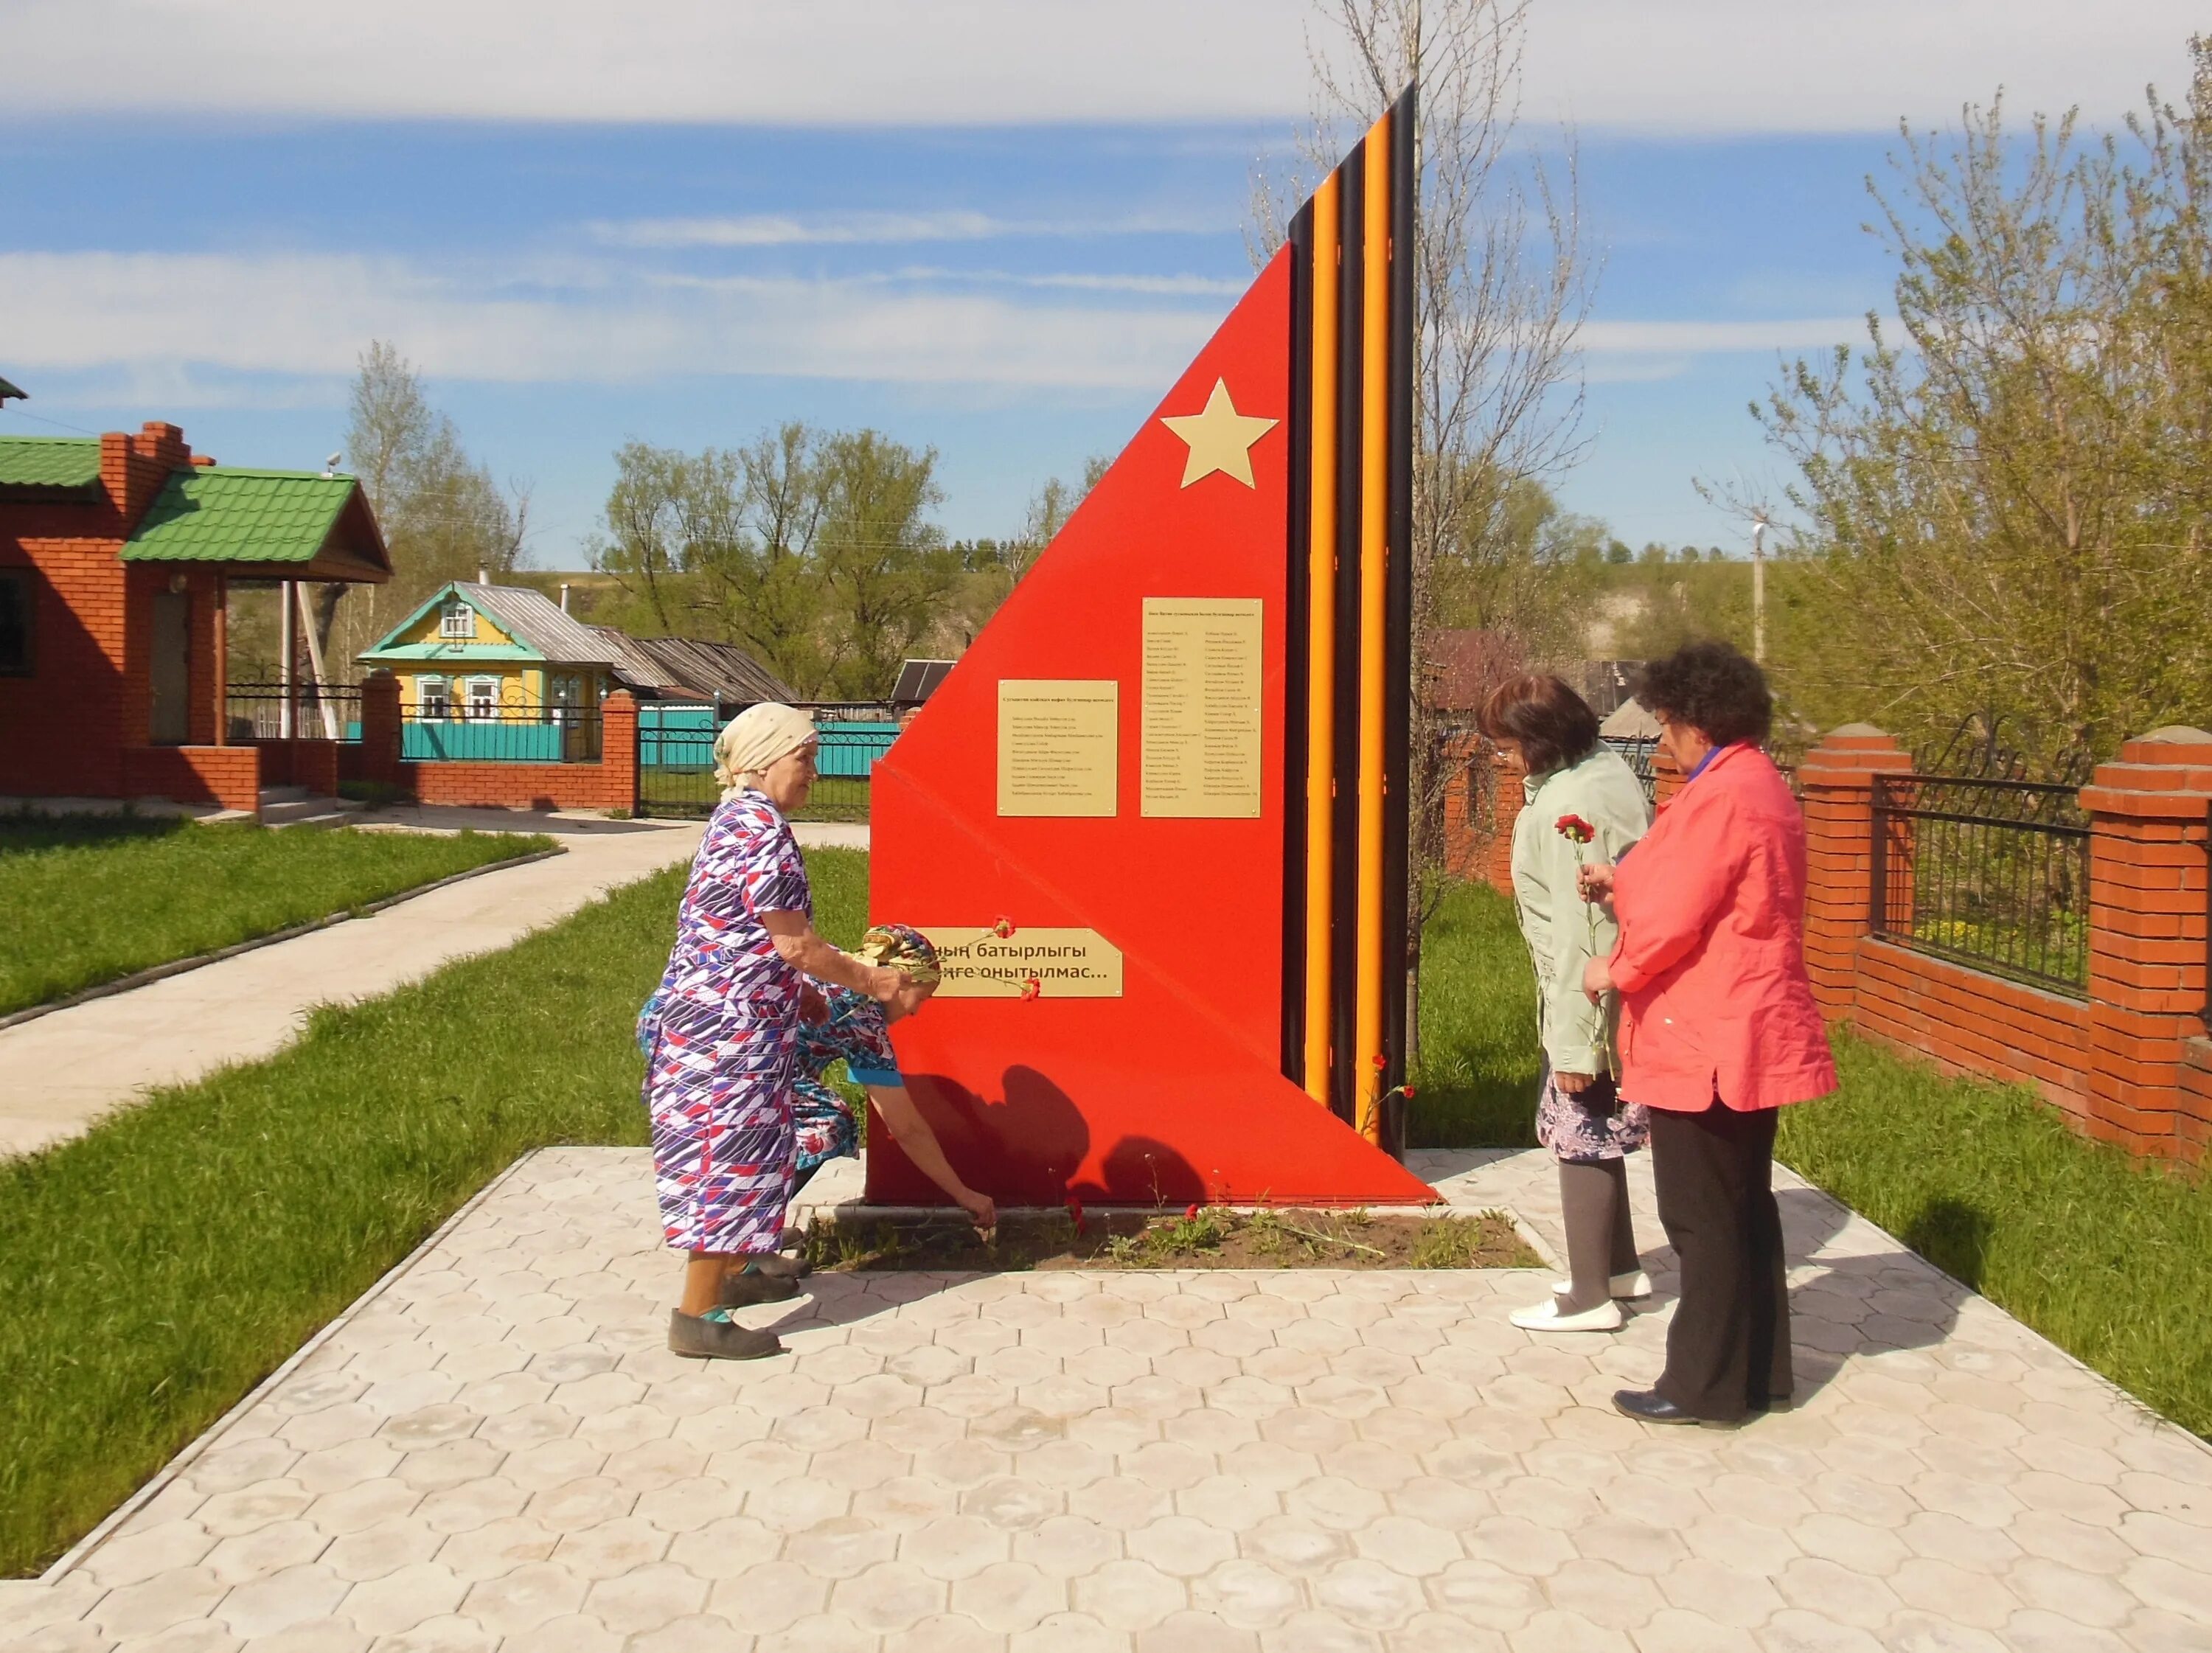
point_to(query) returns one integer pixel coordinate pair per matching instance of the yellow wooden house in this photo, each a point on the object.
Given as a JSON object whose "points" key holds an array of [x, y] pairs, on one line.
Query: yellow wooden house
{"points": [[497, 671]]}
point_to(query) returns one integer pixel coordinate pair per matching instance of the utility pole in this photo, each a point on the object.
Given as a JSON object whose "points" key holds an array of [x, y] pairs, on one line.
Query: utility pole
{"points": [[1759, 589]]}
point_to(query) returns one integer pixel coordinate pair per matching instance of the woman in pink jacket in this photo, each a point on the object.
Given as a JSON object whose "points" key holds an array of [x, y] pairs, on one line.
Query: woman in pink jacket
{"points": [[1718, 1029]]}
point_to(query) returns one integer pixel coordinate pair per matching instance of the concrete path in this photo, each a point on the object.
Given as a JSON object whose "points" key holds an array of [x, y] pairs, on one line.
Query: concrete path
{"points": [[62, 1072], [495, 1450]]}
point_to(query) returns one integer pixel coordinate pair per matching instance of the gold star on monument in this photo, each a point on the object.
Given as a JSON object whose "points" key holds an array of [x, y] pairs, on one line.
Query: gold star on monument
{"points": [[1220, 438]]}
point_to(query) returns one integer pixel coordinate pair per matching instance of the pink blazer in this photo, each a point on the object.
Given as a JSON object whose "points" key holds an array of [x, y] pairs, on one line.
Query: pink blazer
{"points": [[1710, 964]]}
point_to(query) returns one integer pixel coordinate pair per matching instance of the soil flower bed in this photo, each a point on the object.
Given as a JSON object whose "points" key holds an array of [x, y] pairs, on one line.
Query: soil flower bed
{"points": [[1197, 1238]]}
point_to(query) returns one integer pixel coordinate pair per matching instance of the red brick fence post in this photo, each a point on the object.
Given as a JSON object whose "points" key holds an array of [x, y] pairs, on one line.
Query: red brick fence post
{"points": [[2147, 941], [619, 751], [1836, 777], [379, 729]]}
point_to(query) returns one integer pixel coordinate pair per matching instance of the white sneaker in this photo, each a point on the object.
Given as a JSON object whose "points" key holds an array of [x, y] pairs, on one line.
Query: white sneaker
{"points": [[1545, 1317], [1634, 1284]]}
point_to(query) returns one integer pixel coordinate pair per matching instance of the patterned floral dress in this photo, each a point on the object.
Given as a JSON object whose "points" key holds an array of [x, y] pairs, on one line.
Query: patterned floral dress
{"points": [[856, 1033], [721, 1036]]}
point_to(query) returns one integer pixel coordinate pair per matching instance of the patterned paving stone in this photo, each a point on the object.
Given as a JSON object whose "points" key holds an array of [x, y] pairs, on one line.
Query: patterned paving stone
{"points": [[497, 1453]]}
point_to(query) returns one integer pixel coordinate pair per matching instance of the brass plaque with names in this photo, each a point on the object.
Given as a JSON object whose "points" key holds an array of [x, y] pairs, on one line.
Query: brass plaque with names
{"points": [[1059, 746], [1201, 714]]}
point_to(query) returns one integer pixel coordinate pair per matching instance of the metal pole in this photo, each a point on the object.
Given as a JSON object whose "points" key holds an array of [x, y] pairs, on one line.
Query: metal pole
{"points": [[284, 659], [1758, 591]]}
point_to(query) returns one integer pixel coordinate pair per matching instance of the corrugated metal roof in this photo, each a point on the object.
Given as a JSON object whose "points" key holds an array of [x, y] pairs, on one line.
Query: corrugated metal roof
{"points": [[716, 670], [637, 668], [49, 461], [219, 514], [536, 619]]}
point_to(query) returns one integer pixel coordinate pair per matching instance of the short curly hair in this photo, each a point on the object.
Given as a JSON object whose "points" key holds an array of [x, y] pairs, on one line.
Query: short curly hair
{"points": [[1714, 689]]}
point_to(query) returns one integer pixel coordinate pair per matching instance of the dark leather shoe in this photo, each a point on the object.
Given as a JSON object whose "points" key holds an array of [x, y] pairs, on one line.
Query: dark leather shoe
{"points": [[1650, 1407], [742, 1287], [701, 1339], [776, 1265]]}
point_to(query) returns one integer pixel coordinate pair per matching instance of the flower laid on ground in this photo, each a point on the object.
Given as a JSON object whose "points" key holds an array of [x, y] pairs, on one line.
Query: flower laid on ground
{"points": [[1190, 1212], [1075, 1213]]}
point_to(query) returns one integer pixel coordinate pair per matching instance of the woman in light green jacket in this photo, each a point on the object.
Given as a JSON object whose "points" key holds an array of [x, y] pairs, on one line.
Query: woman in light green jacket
{"points": [[1583, 803]]}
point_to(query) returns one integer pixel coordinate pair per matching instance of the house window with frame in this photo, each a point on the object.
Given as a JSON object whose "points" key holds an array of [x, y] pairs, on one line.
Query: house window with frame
{"points": [[456, 621], [17, 603], [483, 699], [432, 701], [561, 699]]}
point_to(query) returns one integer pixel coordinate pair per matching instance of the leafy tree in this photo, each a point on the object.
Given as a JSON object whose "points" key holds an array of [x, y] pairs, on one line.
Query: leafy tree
{"points": [[1618, 554], [2006, 508], [994, 567], [810, 549], [443, 517]]}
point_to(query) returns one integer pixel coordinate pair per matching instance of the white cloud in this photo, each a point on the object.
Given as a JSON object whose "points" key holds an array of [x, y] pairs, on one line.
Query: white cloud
{"points": [[1657, 65], [310, 315], [873, 229], [1720, 338]]}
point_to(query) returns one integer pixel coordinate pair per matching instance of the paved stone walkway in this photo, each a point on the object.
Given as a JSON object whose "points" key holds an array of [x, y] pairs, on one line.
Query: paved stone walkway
{"points": [[62, 1072], [495, 1450]]}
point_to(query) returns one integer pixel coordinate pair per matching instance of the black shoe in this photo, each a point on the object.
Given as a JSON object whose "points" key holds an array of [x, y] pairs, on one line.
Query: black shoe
{"points": [[701, 1337], [778, 1267], [1650, 1407], [741, 1288]]}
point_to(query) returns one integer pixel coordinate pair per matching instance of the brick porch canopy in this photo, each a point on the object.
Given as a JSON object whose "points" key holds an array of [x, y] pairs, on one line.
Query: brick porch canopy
{"points": [[116, 556]]}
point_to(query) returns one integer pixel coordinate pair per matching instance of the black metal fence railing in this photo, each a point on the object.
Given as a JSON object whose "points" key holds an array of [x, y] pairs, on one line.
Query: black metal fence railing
{"points": [[1637, 754], [461, 731], [257, 711], [676, 760], [1993, 874]]}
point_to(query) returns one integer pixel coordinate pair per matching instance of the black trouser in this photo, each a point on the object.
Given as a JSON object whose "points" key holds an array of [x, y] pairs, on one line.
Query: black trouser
{"points": [[1729, 1348]]}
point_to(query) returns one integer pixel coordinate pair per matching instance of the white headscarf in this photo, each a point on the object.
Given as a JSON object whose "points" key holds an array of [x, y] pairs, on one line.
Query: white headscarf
{"points": [[755, 739]]}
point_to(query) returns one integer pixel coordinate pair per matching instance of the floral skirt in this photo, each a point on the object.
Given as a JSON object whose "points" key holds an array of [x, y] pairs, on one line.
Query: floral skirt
{"points": [[1593, 1124], [822, 1125]]}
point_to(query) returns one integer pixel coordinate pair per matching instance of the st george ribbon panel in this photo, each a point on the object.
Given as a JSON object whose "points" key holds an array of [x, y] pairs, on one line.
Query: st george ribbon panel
{"points": [[1155, 818]]}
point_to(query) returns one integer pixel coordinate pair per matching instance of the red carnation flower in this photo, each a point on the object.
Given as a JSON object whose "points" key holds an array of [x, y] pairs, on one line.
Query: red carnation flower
{"points": [[1075, 1213], [1190, 1212], [1575, 830]]}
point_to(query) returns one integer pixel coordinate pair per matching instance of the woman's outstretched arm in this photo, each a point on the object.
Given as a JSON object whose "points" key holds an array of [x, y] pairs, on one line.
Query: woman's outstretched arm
{"points": [[911, 1132], [802, 947]]}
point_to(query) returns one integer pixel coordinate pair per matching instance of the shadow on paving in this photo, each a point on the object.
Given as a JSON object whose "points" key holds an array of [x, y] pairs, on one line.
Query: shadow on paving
{"points": [[1856, 1304]]}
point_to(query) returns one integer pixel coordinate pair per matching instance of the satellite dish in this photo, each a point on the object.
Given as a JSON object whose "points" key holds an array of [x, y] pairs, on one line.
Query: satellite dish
{"points": [[331, 465]]}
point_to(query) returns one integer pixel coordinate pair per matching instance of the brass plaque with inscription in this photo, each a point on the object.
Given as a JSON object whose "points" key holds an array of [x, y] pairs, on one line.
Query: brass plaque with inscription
{"points": [[1043, 963], [1202, 714], [1059, 746]]}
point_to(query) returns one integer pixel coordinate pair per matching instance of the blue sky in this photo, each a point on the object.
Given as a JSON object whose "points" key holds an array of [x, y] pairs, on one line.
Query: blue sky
{"points": [[745, 214]]}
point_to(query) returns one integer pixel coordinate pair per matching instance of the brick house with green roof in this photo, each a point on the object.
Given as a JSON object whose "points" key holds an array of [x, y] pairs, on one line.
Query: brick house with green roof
{"points": [[117, 555]]}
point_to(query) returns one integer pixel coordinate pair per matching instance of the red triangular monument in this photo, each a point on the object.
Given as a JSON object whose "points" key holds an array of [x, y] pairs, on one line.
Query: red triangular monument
{"points": [[1102, 815]]}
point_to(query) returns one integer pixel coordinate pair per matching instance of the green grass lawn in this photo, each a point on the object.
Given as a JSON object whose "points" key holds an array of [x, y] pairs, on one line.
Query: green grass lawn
{"points": [[155, 1270], [2107, 1256], [87, 898], [1474, 1084]]}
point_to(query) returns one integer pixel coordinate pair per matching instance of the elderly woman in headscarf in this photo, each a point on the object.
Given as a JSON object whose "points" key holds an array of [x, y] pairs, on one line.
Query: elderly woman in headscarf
{"points": [[857, 1031], [722, 1036]]}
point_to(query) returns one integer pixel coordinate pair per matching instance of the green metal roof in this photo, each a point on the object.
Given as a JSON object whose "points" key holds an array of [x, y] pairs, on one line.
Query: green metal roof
{"points": [[221, 514], [49, 461]]}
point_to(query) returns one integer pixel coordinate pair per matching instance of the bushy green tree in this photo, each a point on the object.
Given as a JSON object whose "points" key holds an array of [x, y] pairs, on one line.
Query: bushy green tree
{"points": [[813, 550], [2007, 502]]}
